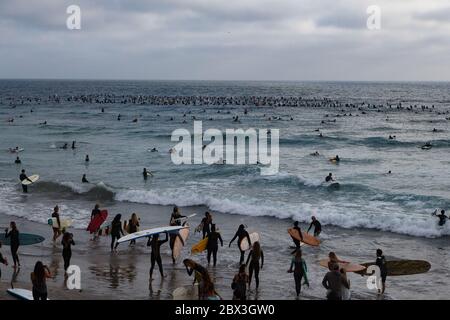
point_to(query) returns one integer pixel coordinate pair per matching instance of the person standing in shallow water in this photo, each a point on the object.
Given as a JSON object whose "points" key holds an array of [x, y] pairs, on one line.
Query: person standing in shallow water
{"points": [[381, 263], [67, 243], [297, 242], [241, 233], [213, 246], [155, 256], [22, 178], [317, 226], [116, 231], [299, 268], [239, 284], [253, 257], [133, 226], [56, 231]]}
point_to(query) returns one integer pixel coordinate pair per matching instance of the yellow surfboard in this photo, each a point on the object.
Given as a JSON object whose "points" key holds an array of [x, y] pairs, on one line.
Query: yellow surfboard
{"points": [[199, 246]]}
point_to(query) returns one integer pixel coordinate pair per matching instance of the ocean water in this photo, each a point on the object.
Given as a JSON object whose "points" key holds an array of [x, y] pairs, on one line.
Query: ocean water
{"points": [[368, 198]]}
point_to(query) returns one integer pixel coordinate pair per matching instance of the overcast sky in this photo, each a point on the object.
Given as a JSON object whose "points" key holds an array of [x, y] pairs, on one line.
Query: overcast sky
{"points": [[226, 40]]}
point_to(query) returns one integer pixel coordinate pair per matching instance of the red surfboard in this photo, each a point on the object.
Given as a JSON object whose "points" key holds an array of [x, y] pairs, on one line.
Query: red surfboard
{"points": [[97, 221]]}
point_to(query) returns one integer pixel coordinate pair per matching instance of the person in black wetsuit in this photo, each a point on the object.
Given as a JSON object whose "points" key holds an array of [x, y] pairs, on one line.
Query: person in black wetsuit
{"points": [[84, 179], [67, 243], [241, 233], [201, 276], [253, 257], [73, 144], [381, 263], [298, 267], [15, 242], [317, 226], [297, 242], [329, 177], [2, 260], [146, 173], [175, 220], [155, 256], [213, 245], [206, 222], [442, 218], [22, 178], [116, 231], [17, 161]]}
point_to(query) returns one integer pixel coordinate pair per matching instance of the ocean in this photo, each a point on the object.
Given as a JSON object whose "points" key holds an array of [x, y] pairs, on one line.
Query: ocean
{"points": [[355, 119]]}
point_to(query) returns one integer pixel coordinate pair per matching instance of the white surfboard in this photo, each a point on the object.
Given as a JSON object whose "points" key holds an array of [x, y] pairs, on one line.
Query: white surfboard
{"points": [[33, 179], [65, 223], [254, 236], [22, 294], [187, 217], [14, 150], [149, 232]]}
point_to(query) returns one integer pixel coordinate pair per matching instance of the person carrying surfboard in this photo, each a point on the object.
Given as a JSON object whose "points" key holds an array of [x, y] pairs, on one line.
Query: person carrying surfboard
{"points": [[201, 275], [116, 231], [382, 265], [212, 247], [241, 233], [297, 242], [317, 226], [175, 220], [22, 178], [253, 257], [299, 268], [56, 230], [155, 256], [95, 212], [133, 226]]}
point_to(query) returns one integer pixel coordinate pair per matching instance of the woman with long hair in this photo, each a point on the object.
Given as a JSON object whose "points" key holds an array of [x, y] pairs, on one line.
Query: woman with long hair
{"points": [[298, 267], [253, 257], [201, 277], [67, 243], [39, 279], [133, 226]]}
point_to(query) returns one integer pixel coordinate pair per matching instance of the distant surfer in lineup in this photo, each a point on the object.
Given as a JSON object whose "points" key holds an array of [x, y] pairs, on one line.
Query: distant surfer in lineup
{"points": [[87, 158], [56, 231], [22, 178], [329, 178], [442, 218], [315, 154], [382, 265], [241, 233], [73, 144], [317, 226], [116, 231], [84, 179], [155, 256], [213, 246], [299, 268], [14, 236], [67, 243], [254, 256], [65, 146], [239, 284], [17, 161], [297, 242]]}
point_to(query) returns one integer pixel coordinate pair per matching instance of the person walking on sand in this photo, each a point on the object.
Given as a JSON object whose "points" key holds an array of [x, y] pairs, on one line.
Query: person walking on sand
{"points": [[241, 233], [155, 256], [253, 257], [14, 235], [333, 282], [297, 242], [39, 280], [67, 243], [133, 226], [22, 178], [239, 284], [201, 276], [116, 231], [213, 246], [382, 265], [2, 260], [56, 229], [317, 226], [299, 268]]}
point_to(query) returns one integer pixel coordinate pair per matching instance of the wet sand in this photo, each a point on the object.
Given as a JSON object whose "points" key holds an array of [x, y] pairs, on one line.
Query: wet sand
{"points": [[125, 275]]}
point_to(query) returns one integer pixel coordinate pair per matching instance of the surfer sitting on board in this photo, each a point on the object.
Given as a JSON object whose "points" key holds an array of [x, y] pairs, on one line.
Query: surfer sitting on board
{"points": [[241, 233], [133, 226], [22, 178], [297, 242], [329, 178], [155, 256], [442, 218], [317, 226]]}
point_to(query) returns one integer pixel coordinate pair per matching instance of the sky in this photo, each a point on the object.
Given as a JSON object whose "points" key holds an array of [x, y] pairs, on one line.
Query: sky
{"points": [[226, 40]]}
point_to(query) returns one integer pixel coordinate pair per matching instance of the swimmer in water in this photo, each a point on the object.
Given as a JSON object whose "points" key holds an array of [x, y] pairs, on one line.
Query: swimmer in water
{"points": [[442, 218], [84, 179], [329, 178], [315, 154], [17, 161]]}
